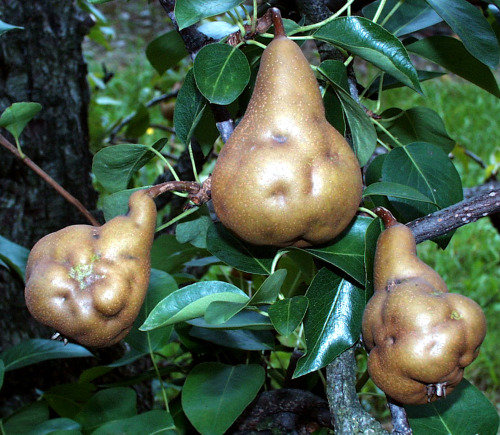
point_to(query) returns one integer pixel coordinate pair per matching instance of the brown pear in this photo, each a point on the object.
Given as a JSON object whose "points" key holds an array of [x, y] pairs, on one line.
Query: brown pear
{"points": [[89, 282], [286, 177], [419, 336]]}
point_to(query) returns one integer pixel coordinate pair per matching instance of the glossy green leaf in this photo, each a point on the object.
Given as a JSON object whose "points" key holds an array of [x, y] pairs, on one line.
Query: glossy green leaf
{"points": [[15, 118], [53, 425], [333, 110], [4, 27], [190, 302], [169, 255], [347, 251], [215, 394], [194, 228], [239, 254], [364, 136], [418, 124], [396, 191], [166, 51], [14, 255], [220, 311], [408, 17], [156, 422], [245, 319], [371, 237], [190, 12], [374, 172], [391, 83], [469, 23], [465, 411], [286, 314], [221, 72], [104, 407], [428, 169], [333, 320], [161, 284], [451, 54], [38, 349], [189, 108], [236, 338], [115, 165], [373, 43], [26, 418]]}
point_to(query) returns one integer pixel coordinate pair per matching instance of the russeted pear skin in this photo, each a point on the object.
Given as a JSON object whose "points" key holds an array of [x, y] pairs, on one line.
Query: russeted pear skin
{"points": [[89, 282], [286, 177], [419, 336]]}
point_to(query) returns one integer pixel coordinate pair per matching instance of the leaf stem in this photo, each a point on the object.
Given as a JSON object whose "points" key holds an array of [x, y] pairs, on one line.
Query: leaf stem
{"points": [[379, 10], [162, 157], [387, 132], [257, 43], [276, 258], [177, 218], [392, 11], [322, 23], [368, 211], [158, 375]]}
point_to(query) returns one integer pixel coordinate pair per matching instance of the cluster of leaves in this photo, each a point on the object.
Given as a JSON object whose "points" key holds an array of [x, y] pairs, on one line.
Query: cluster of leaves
{"points": [[219, 299]]}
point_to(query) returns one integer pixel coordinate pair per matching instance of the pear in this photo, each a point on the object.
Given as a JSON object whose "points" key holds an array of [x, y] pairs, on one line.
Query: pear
{"points": [[420, 337], [89, 282], [286, 177]]}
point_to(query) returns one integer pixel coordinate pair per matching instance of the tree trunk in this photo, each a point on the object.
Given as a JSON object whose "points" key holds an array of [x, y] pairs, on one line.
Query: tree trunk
{"points": [[42, 63]]}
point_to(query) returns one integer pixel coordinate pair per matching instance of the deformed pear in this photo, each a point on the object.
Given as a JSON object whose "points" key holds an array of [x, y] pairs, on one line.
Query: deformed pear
{"points": [[89, 282], [419, 336], [286, 177]]}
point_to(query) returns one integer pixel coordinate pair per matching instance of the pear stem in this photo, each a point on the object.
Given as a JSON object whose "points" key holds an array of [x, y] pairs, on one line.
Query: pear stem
{"points": [[279, 29], [386, 216], [198, 193]]}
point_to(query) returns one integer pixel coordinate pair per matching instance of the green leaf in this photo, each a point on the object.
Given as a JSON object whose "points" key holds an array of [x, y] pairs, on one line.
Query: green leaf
{"points": [[465, 411], [286, 314], [215, 394], [245, 319], [26, 418], [408, 17], [161, 284], [99, 2], [154, 422], [236, 339], [190, 302], [391, 83], [2, 372], [347, 250], [237, 253], [4, 27], [139, 123], [220, 311], [169, 255], [115, 165], [189, 108], [67, 400], [15, 256], [190, 12], [371, 237], [193, 229], [38, 349], [428, 169], [364, 136], [373, 43], [15, 118], [221, 72], [166, 51], [418, 124], [333, 110], [451, 54], [396, 191], [104, 407], [333, 320], [56, 424], [469, 23]]}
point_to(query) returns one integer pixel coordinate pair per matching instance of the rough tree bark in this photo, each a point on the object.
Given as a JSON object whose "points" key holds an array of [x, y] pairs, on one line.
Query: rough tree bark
{"points": [[42, 63]]}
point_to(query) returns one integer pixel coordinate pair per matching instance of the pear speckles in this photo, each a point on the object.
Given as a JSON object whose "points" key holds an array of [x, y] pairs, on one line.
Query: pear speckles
{"points": [[286, 177]]}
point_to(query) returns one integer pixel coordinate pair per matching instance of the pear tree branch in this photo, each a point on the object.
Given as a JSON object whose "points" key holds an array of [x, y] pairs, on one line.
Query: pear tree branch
{"points": [[49, 180]]}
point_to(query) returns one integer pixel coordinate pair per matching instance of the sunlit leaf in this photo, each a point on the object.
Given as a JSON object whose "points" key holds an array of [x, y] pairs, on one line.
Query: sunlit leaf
{"points": [[190, 12], [287, 314], [4, 27], [333, 320], [396, 191]]}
